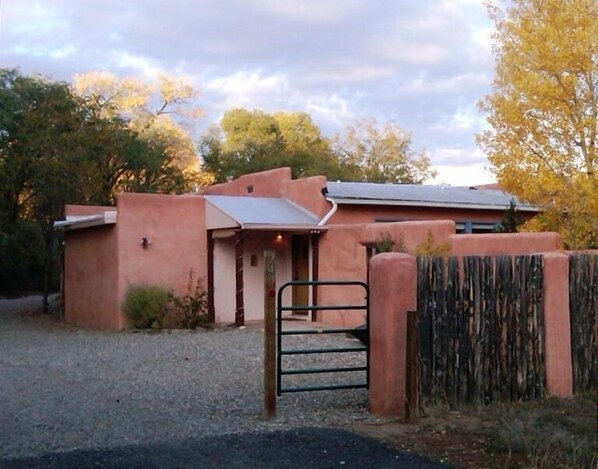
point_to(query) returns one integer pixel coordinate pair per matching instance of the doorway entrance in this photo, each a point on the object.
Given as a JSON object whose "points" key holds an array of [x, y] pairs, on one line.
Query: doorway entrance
{"points": [[300, 266]]}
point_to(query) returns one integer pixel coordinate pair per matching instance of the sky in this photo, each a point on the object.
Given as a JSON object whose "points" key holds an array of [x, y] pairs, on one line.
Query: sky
{"points": [[421, 64]]}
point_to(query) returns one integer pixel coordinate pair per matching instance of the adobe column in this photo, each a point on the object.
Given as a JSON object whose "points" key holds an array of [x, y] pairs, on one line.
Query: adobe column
{"points": [[557, 327], [393, 292]]}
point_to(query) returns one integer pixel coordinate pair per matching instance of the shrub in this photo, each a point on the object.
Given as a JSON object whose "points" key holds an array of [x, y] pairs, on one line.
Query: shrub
{"points": [[145, 306], [429, 247], [384, 243], [191, 308]]}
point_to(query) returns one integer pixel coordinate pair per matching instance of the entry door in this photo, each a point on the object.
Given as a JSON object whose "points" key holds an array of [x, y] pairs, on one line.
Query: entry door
{"points": [[300, 261]]}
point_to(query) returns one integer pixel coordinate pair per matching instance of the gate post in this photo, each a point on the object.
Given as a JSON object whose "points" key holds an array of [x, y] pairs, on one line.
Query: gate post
{"points": [[393, 292], [269, 334]]}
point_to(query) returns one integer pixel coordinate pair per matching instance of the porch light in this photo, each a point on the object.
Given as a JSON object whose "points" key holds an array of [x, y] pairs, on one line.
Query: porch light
{"points": [[278, 237]]}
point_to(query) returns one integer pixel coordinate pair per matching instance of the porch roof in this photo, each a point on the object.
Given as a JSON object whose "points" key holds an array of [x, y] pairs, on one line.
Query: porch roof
{"points": [[258, 213], [76, 222]]}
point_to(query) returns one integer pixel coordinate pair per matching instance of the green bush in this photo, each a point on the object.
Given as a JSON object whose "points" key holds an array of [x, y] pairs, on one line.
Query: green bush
{"points": [[191, 308], [145, 306]]}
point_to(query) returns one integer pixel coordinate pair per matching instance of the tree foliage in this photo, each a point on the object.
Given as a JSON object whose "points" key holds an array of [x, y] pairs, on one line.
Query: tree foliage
{"points": [[161, 114], [384, 154], [543, 112], [248, 141], [58, 147]]}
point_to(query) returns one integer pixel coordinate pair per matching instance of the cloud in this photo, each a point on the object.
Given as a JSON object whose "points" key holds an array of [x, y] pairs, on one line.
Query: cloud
{"points": [[422, 65]]}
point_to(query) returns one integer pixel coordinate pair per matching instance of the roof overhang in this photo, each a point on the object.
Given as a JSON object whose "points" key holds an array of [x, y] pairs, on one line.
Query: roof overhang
{"points": [[421, 203], [77, 222], [223, 213]]}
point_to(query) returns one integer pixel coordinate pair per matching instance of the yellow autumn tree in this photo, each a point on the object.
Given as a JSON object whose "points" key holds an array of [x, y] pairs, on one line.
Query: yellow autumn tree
{"points": [[149, 109], [543, 112]]}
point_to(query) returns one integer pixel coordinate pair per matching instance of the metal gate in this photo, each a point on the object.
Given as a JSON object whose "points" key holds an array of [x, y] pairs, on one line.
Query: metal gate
{"points": [[280, 351]]}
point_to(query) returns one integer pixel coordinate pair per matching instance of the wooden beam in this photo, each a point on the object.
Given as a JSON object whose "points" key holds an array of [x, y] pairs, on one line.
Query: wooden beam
{"points": [[315, 271], [269, 334], [412, 359], [210, 258], [239, 301]]}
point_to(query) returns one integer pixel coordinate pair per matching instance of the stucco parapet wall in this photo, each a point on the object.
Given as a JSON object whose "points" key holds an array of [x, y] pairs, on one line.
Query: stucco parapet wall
{"points": [[80, 210], [497, 244], [411, 232], [271, 183]]}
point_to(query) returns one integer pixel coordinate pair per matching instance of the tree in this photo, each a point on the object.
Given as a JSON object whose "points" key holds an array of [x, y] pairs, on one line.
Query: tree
{"points": [[158, 113], [510, 221], [543, 112], [56, 150], [40, 157], [383, 154], [250, 141]]}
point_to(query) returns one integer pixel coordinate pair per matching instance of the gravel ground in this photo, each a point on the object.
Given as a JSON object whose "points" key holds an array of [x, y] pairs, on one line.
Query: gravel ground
{"points": [[65, 389]]}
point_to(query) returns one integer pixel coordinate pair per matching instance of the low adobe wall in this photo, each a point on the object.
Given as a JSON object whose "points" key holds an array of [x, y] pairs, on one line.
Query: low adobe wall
{"points": [[393, 289], [343, 256]]}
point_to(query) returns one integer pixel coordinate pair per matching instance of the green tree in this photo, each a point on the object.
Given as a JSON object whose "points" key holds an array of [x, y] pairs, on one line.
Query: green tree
{"points": [[250, 141], [510, 221], [543, 112], [383, 154], [55, 150], [159, 113]]}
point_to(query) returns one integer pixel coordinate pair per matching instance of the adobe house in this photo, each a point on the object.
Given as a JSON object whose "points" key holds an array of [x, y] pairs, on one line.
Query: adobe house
{"points": [[318, 229]]}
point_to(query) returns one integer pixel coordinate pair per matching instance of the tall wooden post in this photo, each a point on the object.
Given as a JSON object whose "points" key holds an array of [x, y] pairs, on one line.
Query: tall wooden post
{"points": [[270, 334], [412, 384], [315, 271], [239, 301], [210, 259]]}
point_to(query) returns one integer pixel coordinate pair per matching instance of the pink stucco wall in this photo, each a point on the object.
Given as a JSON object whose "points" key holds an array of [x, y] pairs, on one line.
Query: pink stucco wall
{"points": [[307, 192], [101, 262], [343, 256], [370, 213], [557, 331], [504, 243], [394, 292], [270, 183], [91, 278], [175, 228], [84, 210]]}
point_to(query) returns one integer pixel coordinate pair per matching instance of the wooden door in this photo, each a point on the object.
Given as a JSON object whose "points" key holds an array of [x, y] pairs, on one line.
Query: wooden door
{"points": [[300, 266]]}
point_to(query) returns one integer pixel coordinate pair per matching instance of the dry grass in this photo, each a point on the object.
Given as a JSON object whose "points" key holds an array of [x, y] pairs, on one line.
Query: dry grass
{"points": [[548, 433]]}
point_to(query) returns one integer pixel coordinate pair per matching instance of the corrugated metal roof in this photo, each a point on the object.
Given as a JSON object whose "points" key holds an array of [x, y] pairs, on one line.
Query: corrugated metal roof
{"points": [[263, 211], [422, 195]]}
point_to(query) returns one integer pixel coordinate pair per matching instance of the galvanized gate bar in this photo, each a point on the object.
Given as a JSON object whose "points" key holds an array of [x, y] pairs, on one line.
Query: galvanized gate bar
{"points": [[280, 352], [332, 387], [323, 370], [317, 331], [308, 351]]}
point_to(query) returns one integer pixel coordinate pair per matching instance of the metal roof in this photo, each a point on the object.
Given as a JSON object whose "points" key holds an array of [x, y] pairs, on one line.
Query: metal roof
{"points": [[361, 193], [264, 212], [75, 222]]}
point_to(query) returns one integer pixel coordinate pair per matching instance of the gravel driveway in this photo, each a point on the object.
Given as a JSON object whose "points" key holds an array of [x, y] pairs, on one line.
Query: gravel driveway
{"points": [[63, 388]]}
